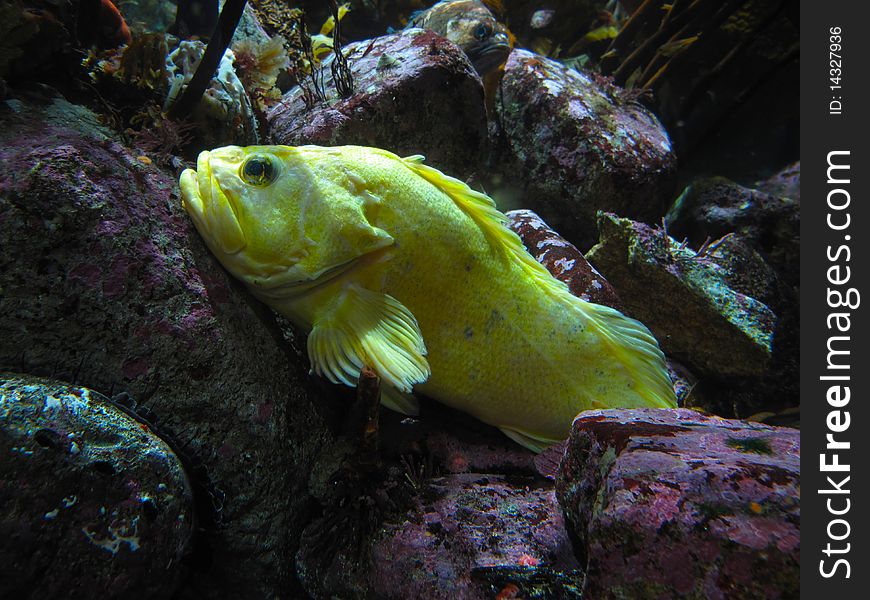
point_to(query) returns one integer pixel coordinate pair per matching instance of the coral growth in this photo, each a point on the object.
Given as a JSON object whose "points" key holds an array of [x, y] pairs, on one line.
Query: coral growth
{"points": [[156, 133], [258, 66]]}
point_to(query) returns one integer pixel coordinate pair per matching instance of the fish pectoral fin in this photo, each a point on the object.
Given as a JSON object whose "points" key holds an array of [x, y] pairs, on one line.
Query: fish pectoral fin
{"points": [[364, 328], [533, 443], [401, 402]]}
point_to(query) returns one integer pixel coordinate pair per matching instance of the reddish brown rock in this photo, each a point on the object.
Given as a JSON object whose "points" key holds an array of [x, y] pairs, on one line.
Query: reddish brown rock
{"points": [[580, 145], [671, 503], [562, 259], [414, 93], [106, 282], [474, 535]]}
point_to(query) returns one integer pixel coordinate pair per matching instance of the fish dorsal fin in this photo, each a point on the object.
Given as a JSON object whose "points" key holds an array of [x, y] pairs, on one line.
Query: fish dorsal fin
{"points": [[364, 328], [482, 210], [628, 340]]}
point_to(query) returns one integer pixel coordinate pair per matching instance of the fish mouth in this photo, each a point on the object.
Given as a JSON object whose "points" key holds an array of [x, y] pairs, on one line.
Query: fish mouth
{"points": [[299, 287], [487, 57], [212, 211]]}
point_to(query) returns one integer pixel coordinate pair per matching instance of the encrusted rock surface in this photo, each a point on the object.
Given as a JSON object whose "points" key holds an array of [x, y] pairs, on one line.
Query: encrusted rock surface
{"points": [[474, 534], [564, 261], [785, 183], [451, 509], [106, 282], [93, 503], [414, 93], [671, 503], [685, 300], [714, 207], [580, 145]]}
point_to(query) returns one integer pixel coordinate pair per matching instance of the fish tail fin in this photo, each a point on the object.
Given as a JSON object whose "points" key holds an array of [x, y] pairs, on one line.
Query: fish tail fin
{"points": [[633, 345]]}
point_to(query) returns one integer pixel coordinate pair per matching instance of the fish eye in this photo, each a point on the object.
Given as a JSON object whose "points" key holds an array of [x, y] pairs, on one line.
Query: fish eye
{"points": [[482, 31], [259, 170]]}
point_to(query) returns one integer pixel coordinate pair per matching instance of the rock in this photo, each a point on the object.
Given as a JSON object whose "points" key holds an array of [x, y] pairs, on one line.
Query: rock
{"points": [[149, 16], [580, 145], [448, 495], [33, 43], [106, 282], [684, 299], [472, 536], [785, 184], [562, 259], [745, 271], [758, 253], [714, 207], [98, 501], [671, 503], [684, 382], [414, 93]]}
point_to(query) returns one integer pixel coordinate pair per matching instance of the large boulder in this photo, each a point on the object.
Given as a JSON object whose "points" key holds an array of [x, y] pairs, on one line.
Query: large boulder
{"points": [[414, 93], [89, 495], [106, 282], [671, 503], [452, 509], [579, 144], [769, 222], [683, 296], [473, 536]]}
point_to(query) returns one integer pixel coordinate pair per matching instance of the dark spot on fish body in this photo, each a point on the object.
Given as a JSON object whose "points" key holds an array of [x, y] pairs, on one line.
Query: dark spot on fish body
{"points": [[494, 320], [468, 332]]}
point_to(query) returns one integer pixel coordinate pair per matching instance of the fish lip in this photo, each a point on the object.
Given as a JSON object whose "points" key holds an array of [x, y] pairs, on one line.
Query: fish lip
{"points": [[203, 178], [488, 56]]}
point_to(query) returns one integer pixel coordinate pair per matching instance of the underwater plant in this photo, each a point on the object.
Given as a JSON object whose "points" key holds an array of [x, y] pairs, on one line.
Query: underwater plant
{"points": [[258, 65]]}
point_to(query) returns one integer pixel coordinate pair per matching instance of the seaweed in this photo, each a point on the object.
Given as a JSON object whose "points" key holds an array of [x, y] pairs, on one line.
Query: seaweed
{"points": [[341, 73]]}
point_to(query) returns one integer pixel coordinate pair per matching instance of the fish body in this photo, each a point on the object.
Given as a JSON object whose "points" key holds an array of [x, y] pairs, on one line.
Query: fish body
{"points": [[391, 264], [470, 25]]}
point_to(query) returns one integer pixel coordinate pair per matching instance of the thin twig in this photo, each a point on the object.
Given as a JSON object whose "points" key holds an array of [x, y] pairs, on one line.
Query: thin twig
{"points": [[211, 58]]}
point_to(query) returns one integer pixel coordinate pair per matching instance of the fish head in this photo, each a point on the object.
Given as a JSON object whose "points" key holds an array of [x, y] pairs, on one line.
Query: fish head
{"points": [[470, 25], [278, 217], [483, 39]]}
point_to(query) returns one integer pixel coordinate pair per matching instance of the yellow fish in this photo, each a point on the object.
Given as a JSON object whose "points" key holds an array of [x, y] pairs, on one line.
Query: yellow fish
{"points": [[391, 264]]}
